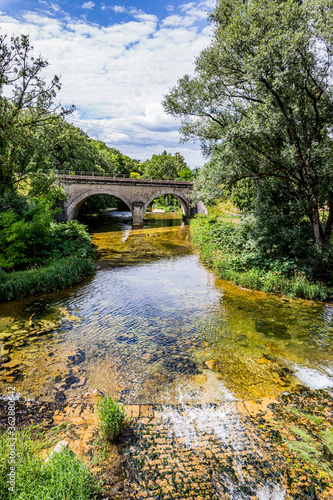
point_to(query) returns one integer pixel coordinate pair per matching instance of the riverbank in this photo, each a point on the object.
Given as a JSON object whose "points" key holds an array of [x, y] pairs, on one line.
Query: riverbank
{"points": [[62, 273], [63, 259], [224, 247]]}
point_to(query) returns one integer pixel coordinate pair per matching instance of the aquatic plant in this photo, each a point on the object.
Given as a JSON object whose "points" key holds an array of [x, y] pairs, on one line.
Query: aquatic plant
{"points": [[112, 418]]}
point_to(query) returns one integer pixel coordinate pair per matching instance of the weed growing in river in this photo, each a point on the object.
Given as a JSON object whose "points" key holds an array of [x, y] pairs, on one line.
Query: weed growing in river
{"points": [[112, 418]]}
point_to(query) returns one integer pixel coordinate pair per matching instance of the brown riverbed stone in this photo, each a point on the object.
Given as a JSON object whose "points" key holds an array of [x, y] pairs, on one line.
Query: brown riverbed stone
{"points": [[212, 364]]}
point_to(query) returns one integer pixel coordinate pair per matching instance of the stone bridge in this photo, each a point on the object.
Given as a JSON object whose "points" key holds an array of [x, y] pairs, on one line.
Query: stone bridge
{"points": [[137, 194]]}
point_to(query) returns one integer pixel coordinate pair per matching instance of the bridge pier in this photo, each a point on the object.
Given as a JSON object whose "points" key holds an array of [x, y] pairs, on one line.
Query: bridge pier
{"points": [[138, 210]]}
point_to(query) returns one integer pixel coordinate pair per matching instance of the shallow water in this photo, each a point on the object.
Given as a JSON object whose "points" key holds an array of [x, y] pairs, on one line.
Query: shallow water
{"points": [[153, 325]]}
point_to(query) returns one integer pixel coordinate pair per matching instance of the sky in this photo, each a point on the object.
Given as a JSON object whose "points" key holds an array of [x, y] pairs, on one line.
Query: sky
{"points": [[116, 60]]}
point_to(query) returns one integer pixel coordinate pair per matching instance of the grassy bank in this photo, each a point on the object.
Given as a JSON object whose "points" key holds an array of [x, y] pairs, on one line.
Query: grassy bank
{"points": [[227, 248], [62, 273], [63, 476]]}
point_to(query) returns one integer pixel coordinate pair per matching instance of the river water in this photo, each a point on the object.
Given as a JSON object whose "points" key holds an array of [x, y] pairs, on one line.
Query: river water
{"points": [[153, 325]]}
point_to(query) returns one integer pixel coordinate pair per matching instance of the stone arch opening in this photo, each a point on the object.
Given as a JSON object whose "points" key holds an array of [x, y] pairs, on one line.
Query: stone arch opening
{"points": [[74, 205], [185, 205]]}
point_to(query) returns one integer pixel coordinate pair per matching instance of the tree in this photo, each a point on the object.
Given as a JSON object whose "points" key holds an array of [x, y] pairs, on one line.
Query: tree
{"points": [[261, 102], [164, 166], [26, 103]]}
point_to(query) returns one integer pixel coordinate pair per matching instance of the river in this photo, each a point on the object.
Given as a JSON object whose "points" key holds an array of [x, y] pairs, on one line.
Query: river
{"points": [[154, 325]]}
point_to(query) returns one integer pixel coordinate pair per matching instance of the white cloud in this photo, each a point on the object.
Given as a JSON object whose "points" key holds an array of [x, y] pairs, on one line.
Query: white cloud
{"points": [[116, 75], [173, 21], [118, 9], [55, 7], [88, 5]]}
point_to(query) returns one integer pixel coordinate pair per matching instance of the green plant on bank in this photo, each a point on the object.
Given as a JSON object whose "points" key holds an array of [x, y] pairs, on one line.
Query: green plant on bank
{"points": [[29, 237], [112, 418], [37, 254], [231, 251], [64, 476], [62, 273]]}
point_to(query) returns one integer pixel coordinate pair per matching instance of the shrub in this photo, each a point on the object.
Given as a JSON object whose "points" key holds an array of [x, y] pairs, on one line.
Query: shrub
{"points": [[70, 238], [112, 418], [24, 238]]}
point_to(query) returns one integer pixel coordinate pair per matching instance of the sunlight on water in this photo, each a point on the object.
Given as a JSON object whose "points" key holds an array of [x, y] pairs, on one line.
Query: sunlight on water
{"points": [[153, 325]]}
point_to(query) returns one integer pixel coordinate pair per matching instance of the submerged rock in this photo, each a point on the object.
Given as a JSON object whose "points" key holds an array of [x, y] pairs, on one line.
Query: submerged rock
{"points": [[60, 397], [78, 357], [128, 339], [148, 357], [69, 381], [272, 329], [182, 365], [213, 365], [164, 340]]}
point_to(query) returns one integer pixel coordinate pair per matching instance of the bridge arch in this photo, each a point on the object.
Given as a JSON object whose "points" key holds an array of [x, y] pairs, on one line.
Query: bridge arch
{"points": [[73, 206], [183, 201]]}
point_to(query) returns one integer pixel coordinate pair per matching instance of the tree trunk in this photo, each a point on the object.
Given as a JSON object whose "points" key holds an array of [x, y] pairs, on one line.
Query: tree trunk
{"points": [[316, 226]]}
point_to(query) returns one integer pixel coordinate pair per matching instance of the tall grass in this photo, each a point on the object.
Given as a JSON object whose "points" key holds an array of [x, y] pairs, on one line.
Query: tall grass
{"points": [[112, 418], [62, 273], [64, 476]]}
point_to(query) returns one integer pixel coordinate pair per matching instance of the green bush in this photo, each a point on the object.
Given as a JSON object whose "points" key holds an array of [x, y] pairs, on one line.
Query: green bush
{"points": [[63, 476], [230, 250], [62, 273], [29, 236], [70, 238], [24, 238], [112, 418]]}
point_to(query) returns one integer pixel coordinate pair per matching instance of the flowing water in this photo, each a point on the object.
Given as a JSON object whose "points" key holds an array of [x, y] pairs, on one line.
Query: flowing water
{"points": [[153, 325]]}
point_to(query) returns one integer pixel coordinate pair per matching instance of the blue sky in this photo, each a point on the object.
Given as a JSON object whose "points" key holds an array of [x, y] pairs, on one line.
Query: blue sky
{"points": [[116, 61]]}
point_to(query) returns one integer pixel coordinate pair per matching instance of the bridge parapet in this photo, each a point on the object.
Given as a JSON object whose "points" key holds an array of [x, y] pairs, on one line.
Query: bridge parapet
{"points": [[110, 179]]}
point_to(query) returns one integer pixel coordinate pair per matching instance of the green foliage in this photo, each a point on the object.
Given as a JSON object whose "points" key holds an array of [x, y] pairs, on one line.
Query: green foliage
{"points": [[261, 104], [13, 201], [26, 103], [185, 174], [112, 418], [63, 476], [45, 185], [165, 166], [24, 237], [30, 237], [230, 249], [62, 273], [167, 202], [59, 145], [242, 195], [70, 238], [281, 229]]}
